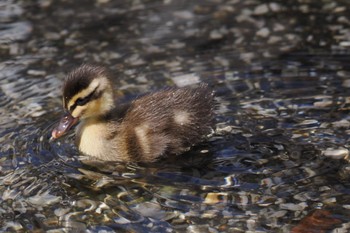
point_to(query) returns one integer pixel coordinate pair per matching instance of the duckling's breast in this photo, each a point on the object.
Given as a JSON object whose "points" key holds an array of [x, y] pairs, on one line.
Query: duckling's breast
{"points": [[93, 139]]}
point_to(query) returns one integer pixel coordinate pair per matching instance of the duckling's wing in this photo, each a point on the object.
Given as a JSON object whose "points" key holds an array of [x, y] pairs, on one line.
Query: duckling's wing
{"points": [[166, 122]]}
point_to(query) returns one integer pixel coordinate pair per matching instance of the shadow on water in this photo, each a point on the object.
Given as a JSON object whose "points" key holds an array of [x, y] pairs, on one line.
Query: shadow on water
{"points": [[277, 161]]}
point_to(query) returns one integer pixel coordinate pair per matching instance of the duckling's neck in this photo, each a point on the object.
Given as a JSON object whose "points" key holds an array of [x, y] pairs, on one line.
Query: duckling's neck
{"points": [[92, 135], [95, 136]]}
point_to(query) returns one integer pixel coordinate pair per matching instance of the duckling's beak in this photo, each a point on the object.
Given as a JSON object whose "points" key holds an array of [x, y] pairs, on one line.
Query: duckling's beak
{"points": [[66, 122]]}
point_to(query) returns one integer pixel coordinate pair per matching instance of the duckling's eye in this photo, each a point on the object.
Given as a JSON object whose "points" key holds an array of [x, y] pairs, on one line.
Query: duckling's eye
{"points": [[82, 101]]}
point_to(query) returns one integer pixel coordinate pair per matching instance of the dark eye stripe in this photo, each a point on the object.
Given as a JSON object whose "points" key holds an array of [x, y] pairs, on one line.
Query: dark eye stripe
{"points": [[86, 99], [82, 101]]}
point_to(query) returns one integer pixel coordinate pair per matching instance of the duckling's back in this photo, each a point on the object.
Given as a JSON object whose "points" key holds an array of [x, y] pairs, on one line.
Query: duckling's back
{"points": [[167, 122]]}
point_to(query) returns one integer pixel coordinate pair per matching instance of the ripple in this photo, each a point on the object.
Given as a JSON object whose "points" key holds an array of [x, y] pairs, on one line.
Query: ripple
{"points": [[11, 32], [9, 10]]}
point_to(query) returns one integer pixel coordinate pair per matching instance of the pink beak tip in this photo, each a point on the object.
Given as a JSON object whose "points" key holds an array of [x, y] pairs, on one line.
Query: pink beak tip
{"points": [[63, 126]]}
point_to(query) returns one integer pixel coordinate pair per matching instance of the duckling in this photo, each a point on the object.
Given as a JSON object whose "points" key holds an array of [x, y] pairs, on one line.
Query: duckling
{"points": [[167, 122]]}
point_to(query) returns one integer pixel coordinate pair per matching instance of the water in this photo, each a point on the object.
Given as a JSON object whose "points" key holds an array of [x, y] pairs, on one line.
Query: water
{"points": [[277, 162]]}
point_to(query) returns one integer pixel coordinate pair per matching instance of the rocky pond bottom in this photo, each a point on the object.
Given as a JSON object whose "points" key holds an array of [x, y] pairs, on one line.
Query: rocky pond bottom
{"points": [[277, 161]]}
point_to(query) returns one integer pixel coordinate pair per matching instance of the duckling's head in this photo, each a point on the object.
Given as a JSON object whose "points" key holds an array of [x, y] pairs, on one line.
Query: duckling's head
{"points": [[87, 93]]}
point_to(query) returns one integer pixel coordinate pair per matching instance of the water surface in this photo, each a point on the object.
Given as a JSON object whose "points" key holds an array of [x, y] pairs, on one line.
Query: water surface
{"points": [[277, 162]]}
